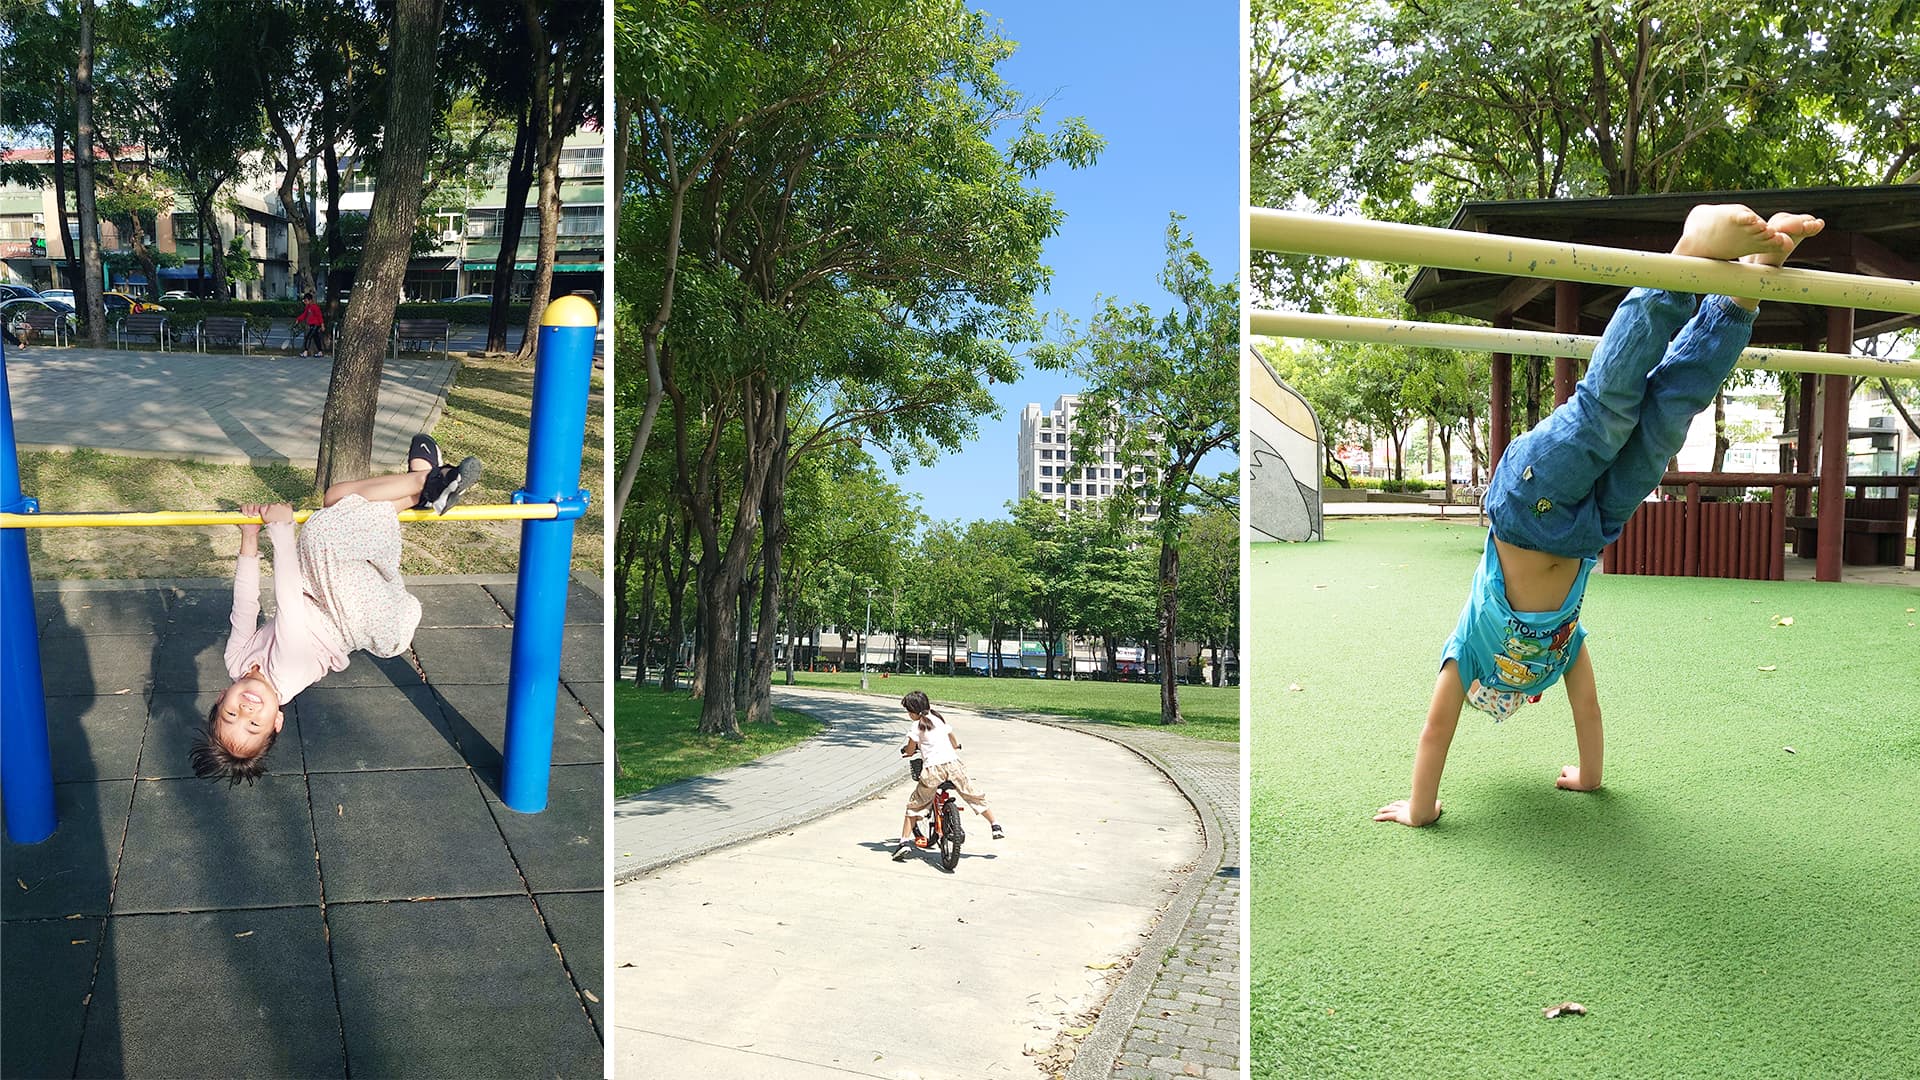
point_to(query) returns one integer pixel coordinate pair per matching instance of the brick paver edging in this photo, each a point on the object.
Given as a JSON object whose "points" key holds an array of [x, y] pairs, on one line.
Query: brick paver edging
{"points": [[1098, 1052]]}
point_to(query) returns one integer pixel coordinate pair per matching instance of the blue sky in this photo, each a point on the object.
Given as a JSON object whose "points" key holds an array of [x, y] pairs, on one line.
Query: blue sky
{"points": [[1162, 83]]}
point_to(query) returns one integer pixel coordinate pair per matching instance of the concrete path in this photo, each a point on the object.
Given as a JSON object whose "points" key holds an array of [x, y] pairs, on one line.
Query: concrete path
{"points": [[856, 756], [809, 953], [221, 408]]}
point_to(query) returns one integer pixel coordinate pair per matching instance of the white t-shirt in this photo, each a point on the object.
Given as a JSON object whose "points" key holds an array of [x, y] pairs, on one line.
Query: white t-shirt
{"points": [[936, 743]]}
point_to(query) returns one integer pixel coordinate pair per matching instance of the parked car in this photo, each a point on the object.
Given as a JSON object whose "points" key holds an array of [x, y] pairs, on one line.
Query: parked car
{"points": [[12, 310], [176, 294], [470, 298], [18, 292], [119, 304], [65, 296]]}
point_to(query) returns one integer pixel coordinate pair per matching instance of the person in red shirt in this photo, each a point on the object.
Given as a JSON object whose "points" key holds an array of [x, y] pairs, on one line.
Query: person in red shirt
{"points": [[311, 318]]}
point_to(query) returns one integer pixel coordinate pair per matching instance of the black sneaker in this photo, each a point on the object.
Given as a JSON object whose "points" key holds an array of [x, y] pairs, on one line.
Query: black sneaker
{"points": [[905, 849], [423, 448], [998, 832], [446, 484]]}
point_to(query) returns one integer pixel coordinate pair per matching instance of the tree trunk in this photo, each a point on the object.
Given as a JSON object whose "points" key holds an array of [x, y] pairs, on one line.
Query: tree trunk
{"points": [[1720, 441], [519, 179], [1534, 364], [1215, 646], [743, 643], [299, 222], [1168, 626], [69, 252], [773, 541], [556, 92], [676, 613], [346, 426], [339, 278], [96, 308]]}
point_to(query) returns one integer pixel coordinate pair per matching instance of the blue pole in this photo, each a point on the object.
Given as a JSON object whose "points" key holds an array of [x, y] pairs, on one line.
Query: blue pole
{"points": [[26, 763], [562, 378]]}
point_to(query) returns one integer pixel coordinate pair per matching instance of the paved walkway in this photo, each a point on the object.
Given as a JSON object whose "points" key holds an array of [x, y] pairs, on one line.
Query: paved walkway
{"points": [[368, 907], [810, 953], [1182, 1019], [221, 408], [856, 756]]}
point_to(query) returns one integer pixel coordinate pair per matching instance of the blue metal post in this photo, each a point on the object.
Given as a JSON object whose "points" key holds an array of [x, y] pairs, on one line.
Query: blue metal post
{"points": [[26, 763], [562, 378]]}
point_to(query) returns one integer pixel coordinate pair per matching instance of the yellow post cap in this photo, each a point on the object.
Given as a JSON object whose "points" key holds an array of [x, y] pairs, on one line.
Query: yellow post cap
{"points": [[570, 311]]}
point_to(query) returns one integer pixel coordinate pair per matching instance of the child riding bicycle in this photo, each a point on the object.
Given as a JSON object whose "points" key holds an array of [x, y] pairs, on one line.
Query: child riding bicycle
{"points": [[931, 738]]}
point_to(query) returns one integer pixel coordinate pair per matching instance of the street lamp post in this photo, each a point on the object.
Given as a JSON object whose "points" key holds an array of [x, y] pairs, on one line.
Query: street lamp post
{"points": [[865, 643]]}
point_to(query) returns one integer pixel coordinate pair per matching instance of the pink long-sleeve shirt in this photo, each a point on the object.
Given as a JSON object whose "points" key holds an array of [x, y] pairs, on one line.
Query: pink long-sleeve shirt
{"points": [[296, 647]]}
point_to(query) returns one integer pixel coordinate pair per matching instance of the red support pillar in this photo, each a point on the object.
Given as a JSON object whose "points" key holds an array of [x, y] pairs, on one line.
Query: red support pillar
{"points": [[1499, 400], [1691, 534], [1833, 446], [1566, 320]]}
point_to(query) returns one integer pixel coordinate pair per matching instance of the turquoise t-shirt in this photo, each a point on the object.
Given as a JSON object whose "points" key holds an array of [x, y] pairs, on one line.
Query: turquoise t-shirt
{"points": [[1508, 657]]}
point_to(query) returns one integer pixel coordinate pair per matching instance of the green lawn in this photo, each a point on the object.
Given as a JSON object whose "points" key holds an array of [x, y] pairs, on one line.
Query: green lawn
{"points": [[1724, 908], [657, 739], [486, 415], [1211, 713]]}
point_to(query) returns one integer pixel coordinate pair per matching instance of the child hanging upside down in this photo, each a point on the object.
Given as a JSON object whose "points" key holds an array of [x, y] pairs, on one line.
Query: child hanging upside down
{"points": [[336, 589], [1564, 491]]}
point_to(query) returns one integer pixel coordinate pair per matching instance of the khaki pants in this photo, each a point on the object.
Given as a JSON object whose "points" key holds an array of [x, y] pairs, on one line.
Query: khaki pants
{"points": [[933, 776]]}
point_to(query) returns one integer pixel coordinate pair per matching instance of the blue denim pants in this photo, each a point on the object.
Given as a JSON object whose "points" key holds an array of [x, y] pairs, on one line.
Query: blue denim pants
{"points": [[1568, 486]]}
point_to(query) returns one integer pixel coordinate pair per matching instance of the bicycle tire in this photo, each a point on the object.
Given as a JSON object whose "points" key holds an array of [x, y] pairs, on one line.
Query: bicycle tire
{"points": [[952, 835]]}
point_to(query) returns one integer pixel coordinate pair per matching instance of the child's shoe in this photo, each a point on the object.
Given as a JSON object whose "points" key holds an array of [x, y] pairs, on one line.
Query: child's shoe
{"points": [[446, 484], [423, 448], [905, 849], [998, 832]]}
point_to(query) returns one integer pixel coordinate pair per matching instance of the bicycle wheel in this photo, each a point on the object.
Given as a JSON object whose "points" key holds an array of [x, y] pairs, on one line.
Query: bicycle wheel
{"points": [[952, 835]]}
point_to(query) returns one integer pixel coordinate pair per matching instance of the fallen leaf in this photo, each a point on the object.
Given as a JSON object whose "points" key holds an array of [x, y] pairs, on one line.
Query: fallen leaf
{"points": [[244, 933], [88, 1000], [1565, 1008], [1790, 750], [1319, 586], [128, 690], [78, 941], [76, 916], [339, 810], [590, 996], [22, 884], [1783, 620], [626, 965], [1076, 1032], [1769, 667], [1294, 686], [1103, 967], [1909, 611]]}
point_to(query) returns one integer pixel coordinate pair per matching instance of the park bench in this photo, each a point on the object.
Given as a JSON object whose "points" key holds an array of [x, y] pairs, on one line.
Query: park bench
{"points": [[422, 335], [46, 326], [1873, 533], [230, 331], [146, 326]]}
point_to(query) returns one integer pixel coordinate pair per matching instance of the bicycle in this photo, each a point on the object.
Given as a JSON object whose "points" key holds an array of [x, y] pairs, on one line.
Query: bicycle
{"points": [[946, 830]]}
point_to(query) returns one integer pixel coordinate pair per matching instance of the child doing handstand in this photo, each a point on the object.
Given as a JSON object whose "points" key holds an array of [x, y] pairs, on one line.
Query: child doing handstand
{"points": [[337, 588], [930, 737], [1565, 490]]}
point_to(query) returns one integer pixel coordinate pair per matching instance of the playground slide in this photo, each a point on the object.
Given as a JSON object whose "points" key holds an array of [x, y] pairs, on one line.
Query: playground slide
{"points": [[1284, 459]]}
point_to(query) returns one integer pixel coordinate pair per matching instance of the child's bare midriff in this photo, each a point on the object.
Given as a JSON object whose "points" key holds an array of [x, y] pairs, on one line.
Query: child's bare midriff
{"points": [[1536, 581]]}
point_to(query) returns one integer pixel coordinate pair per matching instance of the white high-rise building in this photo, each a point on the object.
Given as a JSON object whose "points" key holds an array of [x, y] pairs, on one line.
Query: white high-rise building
{"points": [[1046, 460]]}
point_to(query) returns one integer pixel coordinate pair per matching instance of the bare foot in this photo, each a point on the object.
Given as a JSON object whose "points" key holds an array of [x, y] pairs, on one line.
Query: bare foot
{"points": [[1795, 228], [1728, 231]]}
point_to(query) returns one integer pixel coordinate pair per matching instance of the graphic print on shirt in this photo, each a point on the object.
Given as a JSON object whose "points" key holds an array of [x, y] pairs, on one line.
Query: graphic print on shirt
{"points": [[1531, 656]]}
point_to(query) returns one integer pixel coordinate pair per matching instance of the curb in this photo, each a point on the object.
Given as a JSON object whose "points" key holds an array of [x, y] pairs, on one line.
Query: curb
{"points": [[833, 806]]}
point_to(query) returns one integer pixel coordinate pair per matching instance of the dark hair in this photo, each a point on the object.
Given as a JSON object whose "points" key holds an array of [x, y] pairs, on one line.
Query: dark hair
{"points": [[916, 702], [212, 759]]}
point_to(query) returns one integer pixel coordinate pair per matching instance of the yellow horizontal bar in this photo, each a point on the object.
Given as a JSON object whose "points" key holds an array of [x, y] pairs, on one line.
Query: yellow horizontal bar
{"points": [[1552, 260], [534, 511], [1301, 324]]}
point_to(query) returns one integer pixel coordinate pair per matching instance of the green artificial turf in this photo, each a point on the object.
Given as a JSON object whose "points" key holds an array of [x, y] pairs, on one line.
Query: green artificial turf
{"points": [[1724, 908], [657, 739], [1212, 713]]}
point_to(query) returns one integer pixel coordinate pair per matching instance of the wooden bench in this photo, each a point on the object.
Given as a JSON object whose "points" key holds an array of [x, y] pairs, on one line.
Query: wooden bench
{"points": [[227, 330], [145, 326], [1873, 533], [45, 324], [422, 334]]}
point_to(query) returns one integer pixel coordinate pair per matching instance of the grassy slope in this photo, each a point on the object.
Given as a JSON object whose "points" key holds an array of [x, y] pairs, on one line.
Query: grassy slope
{"points": [[485, 415], [1211, 714], [657, 740], [1723, 908]]}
